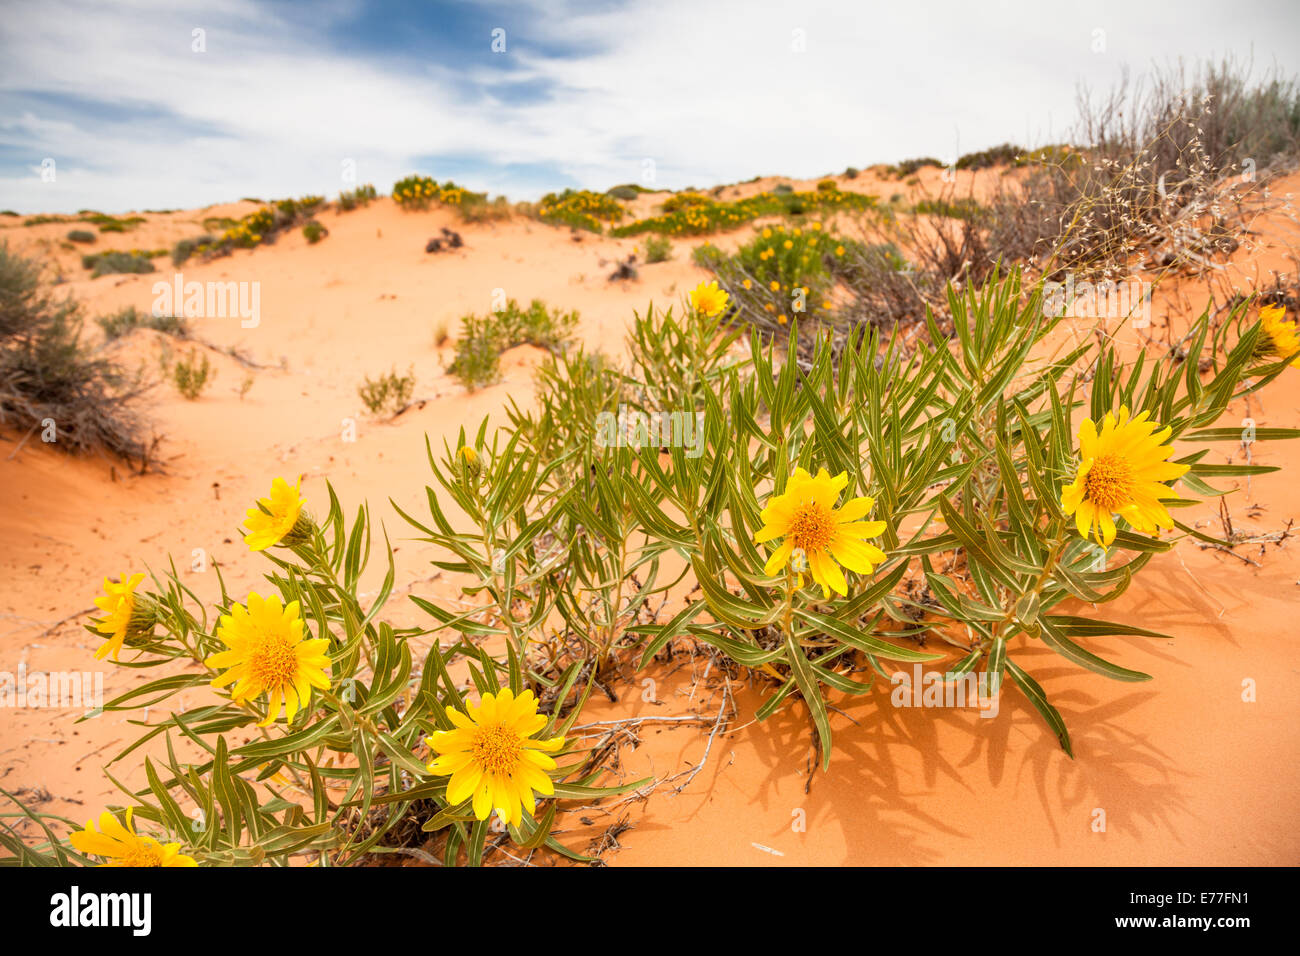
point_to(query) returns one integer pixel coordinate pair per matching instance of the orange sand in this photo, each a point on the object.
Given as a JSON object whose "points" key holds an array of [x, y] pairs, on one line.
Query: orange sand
{"points": [[1186, 772]]}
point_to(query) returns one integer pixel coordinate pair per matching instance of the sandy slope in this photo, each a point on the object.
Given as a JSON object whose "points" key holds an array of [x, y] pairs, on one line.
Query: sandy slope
{"points": [[1185, 771]]}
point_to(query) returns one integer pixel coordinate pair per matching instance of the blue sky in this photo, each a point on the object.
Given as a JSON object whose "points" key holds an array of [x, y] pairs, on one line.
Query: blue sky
{"points": [[286, 95]]}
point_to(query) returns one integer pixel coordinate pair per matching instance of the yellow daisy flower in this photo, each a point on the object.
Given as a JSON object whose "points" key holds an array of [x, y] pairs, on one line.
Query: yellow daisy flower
{"points": [[124, 614], [122, 846], [708, 298], [491, 757], [267, 654], [806, 517], [279, 516], [1281, 335], [748, 284], [1123, 472]]}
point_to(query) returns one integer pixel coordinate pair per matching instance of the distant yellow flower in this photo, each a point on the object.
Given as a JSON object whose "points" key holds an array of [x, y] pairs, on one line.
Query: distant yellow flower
{"points": [[769, 306], [806, 517], [782, 319], [767, 233], [748, 284], [122, 846], [491, 757], [1283, 338], [279, 516], [709, 299], [816, 226], [1123, 472], [267, 654], [839, 250], [788, 244], [124, 614]]}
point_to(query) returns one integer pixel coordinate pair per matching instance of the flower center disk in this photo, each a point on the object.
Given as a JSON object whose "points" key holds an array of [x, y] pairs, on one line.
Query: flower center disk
{"points": [[274, 663], [1109, 482], [812, 527], [497, 750]]}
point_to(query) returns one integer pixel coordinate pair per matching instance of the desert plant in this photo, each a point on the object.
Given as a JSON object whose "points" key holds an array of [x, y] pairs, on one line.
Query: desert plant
{"points": [[658, 249], [192, 374], [390, 391], [314, 232], [81, 235], [126, 319], [482, 339], [49, 379]]}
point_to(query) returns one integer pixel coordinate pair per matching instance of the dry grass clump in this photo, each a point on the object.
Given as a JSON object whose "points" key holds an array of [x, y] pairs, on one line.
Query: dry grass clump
{"points": [[50, 381]]}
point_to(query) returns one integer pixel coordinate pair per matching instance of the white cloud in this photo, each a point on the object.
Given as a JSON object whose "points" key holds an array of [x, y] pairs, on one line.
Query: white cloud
{"points": [[710, 91]]}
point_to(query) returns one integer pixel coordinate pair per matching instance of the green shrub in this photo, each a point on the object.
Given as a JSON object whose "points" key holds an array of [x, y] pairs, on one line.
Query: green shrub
{"points": [[114, 262], [828, 186], [391, 391], [1004, 155], [658, 249], [314, 232], [193, 374], [81, 235], [482, 339], [185, 248], [580, 208], [361, 196], [626, 191], [693, 214], [125, 320]]}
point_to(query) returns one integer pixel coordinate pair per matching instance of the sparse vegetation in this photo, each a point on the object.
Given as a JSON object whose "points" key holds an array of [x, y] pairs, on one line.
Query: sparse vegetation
{"points": [[193, 374], [482, 339], [117, 261], [130, 318], [350, 199], [658, 249], [81, 235], [314, 232], [389, 391], [49, 379]]}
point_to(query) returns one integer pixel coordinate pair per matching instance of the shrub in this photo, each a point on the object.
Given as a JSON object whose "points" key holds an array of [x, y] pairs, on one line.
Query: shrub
{"points": [[114, 262], [192, 374], [350, 199], [627, 191], [1004, 155], [417, 192], [482, 339], [185, 248], [581, 208], [391, 391], [81, 235], [658, 249], [125, 320], [314, 232], [851, 172], [692, 214], [48, 377], [908, 167], [827, 186]]}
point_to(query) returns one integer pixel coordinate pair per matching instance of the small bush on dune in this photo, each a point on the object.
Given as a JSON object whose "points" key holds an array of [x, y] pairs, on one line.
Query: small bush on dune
{"points": [[128, 319], [115, 262], [580, 208], [350, 199], [81, 235], [185, 248], [193, 374], [49, 380], [482, 339], [658, 249], [391, 391], [314, 232]]}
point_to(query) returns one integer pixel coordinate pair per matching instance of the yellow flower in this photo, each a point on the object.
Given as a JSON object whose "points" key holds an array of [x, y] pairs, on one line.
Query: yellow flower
{"points": [[806, 517], [1282, 335], [267, 654], [709, 299], [1123, 472], [788, 244], [467, 455], [782, 319], [816, 226], [767, 233], [123, 614], [278, 517], [748, 284], [839, 250], [491, 757], [121, 846]]}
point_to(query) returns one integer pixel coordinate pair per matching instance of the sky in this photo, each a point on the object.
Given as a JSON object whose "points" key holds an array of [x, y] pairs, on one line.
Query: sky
{"points": [[152, 104]]}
